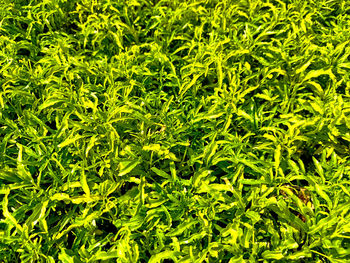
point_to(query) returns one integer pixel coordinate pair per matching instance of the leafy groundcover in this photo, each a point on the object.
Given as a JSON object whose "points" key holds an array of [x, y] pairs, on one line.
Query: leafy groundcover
{"points": [[174, 131]]}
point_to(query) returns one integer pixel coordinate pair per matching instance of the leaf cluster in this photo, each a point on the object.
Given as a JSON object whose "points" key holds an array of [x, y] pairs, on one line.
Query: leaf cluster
{"points": [[174, 131]]}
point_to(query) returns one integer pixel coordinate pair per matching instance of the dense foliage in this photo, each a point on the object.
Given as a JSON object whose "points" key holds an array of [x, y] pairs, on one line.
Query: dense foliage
{"points": [[174, 131]]}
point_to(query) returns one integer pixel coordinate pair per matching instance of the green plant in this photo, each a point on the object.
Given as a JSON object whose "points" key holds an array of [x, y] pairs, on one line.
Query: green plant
{"points": [[174, 131]]}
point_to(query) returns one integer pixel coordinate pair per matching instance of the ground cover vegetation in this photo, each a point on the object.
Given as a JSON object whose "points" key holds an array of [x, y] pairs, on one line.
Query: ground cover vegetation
{"points": [[174, 131]]}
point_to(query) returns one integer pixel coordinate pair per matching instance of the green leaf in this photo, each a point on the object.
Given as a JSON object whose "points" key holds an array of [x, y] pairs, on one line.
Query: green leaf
{"points": [[158, 258], [125, 167], [160, 173], [272, 255], [181, 228], [277, 158], [186, 86], [38, 215], [64, 257], [319, 72], [102, 255]]}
